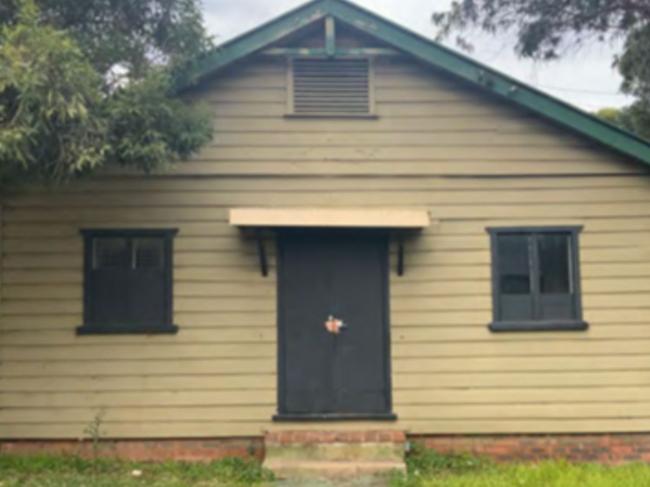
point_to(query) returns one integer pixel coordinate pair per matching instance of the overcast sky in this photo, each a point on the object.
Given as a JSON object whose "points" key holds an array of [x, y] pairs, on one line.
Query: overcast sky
{"points": [[585, 78]]}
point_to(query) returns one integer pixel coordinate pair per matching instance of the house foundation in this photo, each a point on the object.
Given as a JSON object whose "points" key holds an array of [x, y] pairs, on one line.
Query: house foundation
{"points": [[360, 445]]}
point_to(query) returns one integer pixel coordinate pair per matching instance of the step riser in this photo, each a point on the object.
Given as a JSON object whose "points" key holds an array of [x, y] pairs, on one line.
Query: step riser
{"points": [[333, 452], [332, 469]]}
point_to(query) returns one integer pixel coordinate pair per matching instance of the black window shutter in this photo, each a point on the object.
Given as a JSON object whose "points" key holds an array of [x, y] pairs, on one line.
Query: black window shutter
{"points": [[128, 281], [536, 279]]}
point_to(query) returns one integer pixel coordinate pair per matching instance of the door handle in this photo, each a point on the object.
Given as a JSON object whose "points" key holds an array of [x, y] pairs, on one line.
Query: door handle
{"points": [[334, 325]]}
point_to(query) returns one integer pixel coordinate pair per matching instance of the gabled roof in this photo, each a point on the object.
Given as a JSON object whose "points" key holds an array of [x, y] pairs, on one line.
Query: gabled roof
{"points": [[430, 53]]}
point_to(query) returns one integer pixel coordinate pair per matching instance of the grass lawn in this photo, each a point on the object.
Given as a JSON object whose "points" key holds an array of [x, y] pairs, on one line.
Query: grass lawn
{"points": [[427, 469], [75, 472]]}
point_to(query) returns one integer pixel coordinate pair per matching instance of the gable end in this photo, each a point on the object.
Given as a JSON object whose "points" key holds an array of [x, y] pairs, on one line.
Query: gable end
{"points": [[431, 53]]}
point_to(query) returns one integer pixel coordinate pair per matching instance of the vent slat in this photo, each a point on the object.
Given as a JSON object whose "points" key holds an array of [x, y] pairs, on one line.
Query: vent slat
{"points": [[336, 96], [332, 102], [331, 105], [315, 101], [331, 86], [343, 74], [332, 76], [334, 89], [336, 77], [323, 86]]}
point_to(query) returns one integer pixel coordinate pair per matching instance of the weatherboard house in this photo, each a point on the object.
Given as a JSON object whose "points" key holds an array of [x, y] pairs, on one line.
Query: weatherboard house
{"points": [[385, 241]]}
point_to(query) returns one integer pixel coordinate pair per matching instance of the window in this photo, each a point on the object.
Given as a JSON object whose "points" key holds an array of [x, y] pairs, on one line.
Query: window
{"points": [[330, 87], [127, 281], [536, 279]]}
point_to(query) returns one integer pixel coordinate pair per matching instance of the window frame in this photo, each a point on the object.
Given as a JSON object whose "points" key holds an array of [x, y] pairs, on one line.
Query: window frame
{"points": [[575, 324], [290, 109], [166, 327]]}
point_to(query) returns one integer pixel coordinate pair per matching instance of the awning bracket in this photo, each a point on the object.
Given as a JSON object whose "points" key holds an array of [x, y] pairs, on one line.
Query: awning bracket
{"points": [[400, 257], [261, 252]]}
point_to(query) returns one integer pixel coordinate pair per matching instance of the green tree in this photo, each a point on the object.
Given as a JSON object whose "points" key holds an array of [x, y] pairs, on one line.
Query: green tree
{"points": [[131, 34], [545, 29], [84, 84], [634, 118]]}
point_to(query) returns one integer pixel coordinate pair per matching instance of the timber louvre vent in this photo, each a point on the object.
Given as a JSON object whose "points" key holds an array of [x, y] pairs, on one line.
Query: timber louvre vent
{"points": [[331, 87]]}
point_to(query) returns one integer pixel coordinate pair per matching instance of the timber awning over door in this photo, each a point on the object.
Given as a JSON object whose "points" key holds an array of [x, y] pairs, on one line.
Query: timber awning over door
{"points": [[330, 218], [361, 218]]}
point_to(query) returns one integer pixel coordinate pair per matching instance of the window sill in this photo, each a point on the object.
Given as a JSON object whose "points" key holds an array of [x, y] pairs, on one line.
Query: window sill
{"points": [[505, 326], [126, 330]]}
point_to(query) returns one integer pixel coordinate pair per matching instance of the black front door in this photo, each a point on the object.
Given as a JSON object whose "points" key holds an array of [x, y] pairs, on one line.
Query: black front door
{"points": [[340, 277]]}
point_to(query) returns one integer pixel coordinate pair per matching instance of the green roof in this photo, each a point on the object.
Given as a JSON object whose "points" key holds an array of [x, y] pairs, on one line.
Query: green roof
{"points": [[429, 52]]}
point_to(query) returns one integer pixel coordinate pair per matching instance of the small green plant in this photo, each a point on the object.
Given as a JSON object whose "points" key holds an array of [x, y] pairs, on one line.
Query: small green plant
{"points": [[425, 461], [94, 432]]}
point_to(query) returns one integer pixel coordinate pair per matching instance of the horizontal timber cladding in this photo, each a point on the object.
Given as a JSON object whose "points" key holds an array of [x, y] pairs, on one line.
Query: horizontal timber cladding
{"points": [[436, 145]]}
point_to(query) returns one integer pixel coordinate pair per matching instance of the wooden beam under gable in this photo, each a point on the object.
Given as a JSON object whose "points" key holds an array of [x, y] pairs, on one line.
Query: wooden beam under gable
{"points": [[330, 36], [312, 52]]}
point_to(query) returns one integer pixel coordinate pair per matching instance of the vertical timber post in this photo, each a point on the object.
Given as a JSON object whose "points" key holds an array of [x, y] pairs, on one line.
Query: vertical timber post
{"points": [[330, 36]]}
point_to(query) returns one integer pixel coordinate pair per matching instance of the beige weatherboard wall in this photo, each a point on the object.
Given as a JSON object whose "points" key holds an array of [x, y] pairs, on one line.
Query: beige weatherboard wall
{"points": [[438, 148]]}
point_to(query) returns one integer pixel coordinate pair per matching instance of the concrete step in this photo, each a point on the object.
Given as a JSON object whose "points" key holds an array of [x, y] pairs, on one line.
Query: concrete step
{"points": [[337, 452], [332, 454], [331, 469]]}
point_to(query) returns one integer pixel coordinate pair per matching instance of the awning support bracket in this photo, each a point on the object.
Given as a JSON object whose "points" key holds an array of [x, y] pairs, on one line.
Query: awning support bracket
{"points": [[400, 257], [261, 252]]}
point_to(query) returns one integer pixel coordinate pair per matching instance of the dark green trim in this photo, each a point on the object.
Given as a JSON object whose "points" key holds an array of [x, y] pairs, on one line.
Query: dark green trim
{"points": [[432, 54], [576, 323], [129, 232], [536, 229], [280, 418], [252, 42], [505, 326], [127, 330]]}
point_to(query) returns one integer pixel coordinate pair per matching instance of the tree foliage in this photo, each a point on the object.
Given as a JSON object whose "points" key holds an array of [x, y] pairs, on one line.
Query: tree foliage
{"points": [[132, 34], [48, 94], [85, 84], [635, 118], [546, 29]]}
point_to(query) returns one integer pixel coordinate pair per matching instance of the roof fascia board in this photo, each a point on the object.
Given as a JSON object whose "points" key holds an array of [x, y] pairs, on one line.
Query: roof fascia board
{"points": [[252, 42], [491, 80]]}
